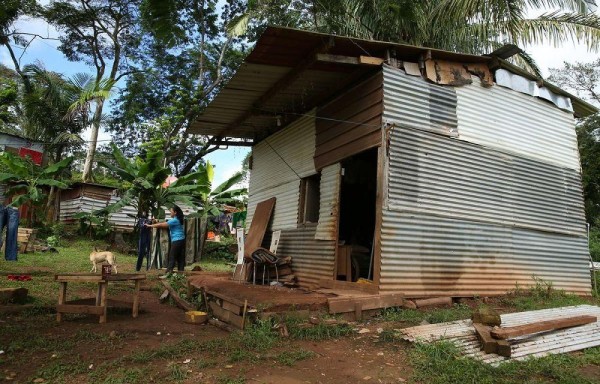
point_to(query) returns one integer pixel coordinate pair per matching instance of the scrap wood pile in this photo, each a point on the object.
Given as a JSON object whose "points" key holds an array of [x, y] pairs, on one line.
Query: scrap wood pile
{"points": [[271, 267], [516, 336]]}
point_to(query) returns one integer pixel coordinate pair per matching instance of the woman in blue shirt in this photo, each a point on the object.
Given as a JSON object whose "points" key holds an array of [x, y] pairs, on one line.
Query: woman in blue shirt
{"points": [[175, 225]]}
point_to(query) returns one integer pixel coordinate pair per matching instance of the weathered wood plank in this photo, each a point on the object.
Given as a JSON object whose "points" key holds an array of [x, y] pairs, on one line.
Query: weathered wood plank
{"points": [[224, 297], [87, 309], [433, 301], [226, 316], [542, 326], [178, 300], [341, 305]]}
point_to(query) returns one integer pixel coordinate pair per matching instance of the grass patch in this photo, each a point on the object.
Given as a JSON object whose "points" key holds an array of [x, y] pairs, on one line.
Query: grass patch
{"points": [[540, 296], [299, 330], [177, 373], [56, 372], [432, 316], [290, 358], [230, 380], [119, 376], [441, 362]]}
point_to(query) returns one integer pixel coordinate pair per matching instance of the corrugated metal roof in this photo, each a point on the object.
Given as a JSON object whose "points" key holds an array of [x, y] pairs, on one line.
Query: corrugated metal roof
{"points": [[280, 50], [463, 335]]}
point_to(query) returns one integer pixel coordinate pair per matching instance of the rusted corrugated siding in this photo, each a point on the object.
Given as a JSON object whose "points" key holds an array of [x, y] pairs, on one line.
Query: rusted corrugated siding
{"points": [[501, 118], [311, 259], [433, 174], [330, 202], [350, 124], [426, 255], [278, 164], [461, 218]]}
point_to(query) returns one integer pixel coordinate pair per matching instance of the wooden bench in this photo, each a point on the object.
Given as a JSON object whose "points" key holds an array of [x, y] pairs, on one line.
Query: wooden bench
{"points": [[101, 306]]}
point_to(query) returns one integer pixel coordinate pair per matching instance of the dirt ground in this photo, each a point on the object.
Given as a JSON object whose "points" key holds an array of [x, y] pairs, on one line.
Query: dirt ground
{"points": [[358, 358]]}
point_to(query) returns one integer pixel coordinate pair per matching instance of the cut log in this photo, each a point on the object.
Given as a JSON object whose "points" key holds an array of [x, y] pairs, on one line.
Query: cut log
{"points": [[434, 301], [409, 304], [542, 326]]}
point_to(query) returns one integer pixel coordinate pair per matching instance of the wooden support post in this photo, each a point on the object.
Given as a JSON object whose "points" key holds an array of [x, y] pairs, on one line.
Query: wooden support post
{"points": [[358, 311], [103, 301], [136, 299], [62, 298], [99, 294]]}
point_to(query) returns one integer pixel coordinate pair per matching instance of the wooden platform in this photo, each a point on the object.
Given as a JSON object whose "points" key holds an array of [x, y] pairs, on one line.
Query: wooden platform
{"points": [[236, 303]]}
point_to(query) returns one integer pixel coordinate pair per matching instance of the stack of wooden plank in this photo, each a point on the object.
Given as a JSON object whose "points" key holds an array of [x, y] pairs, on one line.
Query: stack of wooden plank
{"points": [[285, 273], [25, 238], [495, 339], [231, 311]]}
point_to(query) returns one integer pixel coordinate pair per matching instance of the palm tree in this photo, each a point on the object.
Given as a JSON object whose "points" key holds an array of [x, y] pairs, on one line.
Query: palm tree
{"points": [[469, 26]]}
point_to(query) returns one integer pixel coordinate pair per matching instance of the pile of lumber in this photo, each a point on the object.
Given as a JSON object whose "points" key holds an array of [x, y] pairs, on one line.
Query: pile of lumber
{"points": [[231, 312], [25, 238], [285, 273], [496, 339]]}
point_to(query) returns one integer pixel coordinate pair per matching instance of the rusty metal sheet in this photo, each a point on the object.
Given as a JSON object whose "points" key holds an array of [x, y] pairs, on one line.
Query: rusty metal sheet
{"points": [[463, 335], [433, 174], [312, 259], [433, 255], [330, 203]]}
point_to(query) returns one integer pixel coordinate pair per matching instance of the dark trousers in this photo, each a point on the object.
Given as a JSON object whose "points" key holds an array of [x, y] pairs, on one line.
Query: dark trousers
{"points": [[144, 248], [176, 254], [9, 218]]}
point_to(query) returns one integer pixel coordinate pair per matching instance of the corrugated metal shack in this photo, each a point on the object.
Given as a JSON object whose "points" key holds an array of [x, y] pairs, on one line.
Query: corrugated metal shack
{"points": [[90, 197], [430, 172]]}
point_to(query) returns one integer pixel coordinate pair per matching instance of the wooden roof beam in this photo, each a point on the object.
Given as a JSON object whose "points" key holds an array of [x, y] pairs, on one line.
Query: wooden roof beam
{"points": [[340, 59], [281, 84]]}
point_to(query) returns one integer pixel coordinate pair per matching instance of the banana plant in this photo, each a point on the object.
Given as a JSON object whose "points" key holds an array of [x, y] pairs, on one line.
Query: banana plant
{"points": [[25, 179]]}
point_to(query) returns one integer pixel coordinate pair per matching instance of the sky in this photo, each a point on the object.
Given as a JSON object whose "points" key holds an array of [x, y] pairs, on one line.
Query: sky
{"points": [[227, 162]]}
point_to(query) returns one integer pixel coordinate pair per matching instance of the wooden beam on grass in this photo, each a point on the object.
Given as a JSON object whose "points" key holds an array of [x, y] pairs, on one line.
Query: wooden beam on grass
{"points": [[542, 326]]}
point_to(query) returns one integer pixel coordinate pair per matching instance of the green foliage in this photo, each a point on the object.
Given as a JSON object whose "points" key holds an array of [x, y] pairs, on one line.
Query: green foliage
{"points": [[26, 179], [321, 331], [220, 250], [541, 295], [595, 243], [442, 362], [95, 226]]}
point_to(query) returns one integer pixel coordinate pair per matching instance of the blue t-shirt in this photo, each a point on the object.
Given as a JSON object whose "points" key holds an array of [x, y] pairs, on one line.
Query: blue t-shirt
{"points": [[176, 229]]}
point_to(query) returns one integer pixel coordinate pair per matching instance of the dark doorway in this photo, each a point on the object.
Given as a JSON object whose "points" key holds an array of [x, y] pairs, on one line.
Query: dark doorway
{"points": [[357, 216]]}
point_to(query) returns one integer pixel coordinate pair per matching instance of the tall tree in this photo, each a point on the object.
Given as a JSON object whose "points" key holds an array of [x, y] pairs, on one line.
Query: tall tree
{"points": [[101, 33], [584, 80], [183, 60]]}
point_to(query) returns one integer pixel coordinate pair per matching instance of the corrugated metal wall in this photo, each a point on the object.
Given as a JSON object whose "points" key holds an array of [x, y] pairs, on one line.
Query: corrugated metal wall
{"points": [[278, 163], [426, 255], [311, 259], [433, 174], [498, 117], [413, 102], [329, 209], [464, 218]]}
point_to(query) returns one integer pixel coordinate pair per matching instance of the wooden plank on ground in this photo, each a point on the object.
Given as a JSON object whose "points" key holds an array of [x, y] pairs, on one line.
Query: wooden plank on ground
{"points": [[542, 326], [488, 343], [236, 309], [175, 296], [433, 301], [341, 305], [260, 221], [88, 309], [224, 297], [226, 316], [346, 285]]}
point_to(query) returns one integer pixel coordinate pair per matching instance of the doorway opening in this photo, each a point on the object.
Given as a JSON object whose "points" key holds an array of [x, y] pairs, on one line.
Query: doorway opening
{"points": [[357, 216]]}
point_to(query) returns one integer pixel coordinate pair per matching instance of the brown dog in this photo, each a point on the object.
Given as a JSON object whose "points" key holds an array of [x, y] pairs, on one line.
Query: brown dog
{"points": [[102, 256]]}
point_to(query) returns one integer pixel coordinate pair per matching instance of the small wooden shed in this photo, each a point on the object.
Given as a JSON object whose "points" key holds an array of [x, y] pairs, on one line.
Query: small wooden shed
{"points": [[428, 172]]}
